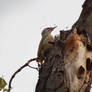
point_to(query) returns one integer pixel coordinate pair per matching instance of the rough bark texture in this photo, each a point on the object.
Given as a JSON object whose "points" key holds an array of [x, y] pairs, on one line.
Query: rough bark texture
{"points": [[85, 19], [67, 66]]}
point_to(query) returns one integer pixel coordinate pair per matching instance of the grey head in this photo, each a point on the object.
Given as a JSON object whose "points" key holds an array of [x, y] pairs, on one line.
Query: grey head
{"points": [[47, 31]]}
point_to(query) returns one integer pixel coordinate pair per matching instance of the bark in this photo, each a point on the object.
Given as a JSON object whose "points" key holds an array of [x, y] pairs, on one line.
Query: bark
{"points": [[85, 19], [67, 66]]}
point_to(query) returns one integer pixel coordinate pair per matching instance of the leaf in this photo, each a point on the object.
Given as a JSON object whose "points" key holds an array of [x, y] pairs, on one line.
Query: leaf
{"points": [[2, 83]]}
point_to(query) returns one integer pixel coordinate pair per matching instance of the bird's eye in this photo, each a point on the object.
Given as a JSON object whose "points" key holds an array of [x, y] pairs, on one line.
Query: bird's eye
{"points": [[48, 29]]}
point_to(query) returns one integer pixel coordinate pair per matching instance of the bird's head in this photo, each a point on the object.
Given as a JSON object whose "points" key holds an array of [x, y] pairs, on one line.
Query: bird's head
{"points": [[47, 31]]}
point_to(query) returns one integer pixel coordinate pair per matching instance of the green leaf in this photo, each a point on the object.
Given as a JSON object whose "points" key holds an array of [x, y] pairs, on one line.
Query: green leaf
{"points": [[2, 83]]}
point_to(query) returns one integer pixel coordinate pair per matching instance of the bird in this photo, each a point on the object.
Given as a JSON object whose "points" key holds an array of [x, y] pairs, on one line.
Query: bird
{"points": [[44, 44]]}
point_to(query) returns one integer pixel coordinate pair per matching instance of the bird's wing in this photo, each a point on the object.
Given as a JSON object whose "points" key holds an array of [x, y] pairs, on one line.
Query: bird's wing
{"points": [[40, 49], [40, 53]]}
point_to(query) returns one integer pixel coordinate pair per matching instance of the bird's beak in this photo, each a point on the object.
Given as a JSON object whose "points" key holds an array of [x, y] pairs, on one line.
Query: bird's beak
{"points": [[53, 28]]}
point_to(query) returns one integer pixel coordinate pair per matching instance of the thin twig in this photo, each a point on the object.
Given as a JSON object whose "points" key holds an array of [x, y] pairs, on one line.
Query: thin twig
{"points": [[33, 67], [15, 73]]}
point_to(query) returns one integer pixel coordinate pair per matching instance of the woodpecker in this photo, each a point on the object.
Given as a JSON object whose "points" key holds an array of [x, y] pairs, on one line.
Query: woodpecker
{"points": [[44, 46]]}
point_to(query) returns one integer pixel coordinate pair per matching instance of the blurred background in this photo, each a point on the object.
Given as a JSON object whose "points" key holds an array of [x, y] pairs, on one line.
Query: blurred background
{"points": [[21, 23]]}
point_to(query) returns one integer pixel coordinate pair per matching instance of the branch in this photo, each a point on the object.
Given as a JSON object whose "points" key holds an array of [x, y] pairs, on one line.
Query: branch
{"points": [[22, 67]]}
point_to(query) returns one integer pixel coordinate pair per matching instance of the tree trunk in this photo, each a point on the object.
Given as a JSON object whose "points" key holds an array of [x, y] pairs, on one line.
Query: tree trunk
{"points": [[67, 66], [85, 19]]}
